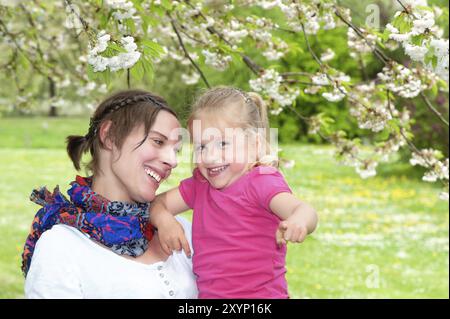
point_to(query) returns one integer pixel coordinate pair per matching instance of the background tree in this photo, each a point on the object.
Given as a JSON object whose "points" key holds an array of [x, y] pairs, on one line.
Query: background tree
{"points": [[371, 78]]}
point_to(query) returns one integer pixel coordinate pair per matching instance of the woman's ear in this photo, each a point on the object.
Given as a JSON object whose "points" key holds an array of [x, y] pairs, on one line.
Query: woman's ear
{"points": [[104, 136]]}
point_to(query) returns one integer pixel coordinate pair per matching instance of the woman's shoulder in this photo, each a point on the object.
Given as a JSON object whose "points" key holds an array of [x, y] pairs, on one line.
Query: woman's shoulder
{"points": [[60, 238]]}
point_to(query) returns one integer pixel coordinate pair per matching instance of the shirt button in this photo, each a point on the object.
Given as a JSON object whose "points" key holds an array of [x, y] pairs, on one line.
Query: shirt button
{"points": [[161, 275], [160, 267], [171, 293], [167, 282]]}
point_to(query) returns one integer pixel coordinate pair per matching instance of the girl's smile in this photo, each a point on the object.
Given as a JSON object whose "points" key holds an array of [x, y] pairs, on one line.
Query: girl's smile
{"points": [[216, 171]]}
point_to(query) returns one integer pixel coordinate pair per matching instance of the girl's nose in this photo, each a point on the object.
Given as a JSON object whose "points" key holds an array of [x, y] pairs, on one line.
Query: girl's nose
{"points": [[212, 155]]}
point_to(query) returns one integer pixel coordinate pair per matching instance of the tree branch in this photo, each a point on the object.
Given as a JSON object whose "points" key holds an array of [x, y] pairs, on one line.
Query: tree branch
{"points": [[433, 109], [180, 40]]}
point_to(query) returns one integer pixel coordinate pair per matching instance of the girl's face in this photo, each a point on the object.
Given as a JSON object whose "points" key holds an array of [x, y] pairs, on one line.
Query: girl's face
{"points": [[138, 171], [222, 153]]}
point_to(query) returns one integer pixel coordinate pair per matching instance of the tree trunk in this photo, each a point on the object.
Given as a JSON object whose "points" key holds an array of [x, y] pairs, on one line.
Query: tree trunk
{"points": [[52, 92]]}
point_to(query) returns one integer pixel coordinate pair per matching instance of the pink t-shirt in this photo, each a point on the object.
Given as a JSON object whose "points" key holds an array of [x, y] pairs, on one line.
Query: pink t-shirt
{"points": [[233, 236]]}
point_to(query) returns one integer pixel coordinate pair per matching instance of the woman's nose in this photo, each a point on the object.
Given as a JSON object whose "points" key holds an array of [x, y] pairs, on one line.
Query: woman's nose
{"points": [[169, 157]]}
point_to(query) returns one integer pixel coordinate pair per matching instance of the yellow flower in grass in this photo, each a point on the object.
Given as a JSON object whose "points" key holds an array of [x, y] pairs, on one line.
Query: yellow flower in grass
{"points": [[400, 193]]}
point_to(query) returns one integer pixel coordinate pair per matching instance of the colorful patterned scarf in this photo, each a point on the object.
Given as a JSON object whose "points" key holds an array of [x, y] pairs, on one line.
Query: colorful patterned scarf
{"points": [[123, 227]]}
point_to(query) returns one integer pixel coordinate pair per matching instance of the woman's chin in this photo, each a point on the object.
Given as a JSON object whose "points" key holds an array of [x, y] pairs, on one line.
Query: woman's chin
{"points": [[150, 194]]}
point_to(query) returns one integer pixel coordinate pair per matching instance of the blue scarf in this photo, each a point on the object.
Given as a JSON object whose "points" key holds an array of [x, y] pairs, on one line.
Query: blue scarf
{"points": [[123, 227]]}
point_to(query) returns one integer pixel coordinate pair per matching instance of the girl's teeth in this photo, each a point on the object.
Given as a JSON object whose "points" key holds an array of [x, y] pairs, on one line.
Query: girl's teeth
{"points": [[218, 169]]}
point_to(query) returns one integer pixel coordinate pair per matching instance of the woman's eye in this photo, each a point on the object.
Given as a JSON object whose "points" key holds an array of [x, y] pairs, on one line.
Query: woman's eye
{"points": [[200, 148], [159, 142], [223, 144]]}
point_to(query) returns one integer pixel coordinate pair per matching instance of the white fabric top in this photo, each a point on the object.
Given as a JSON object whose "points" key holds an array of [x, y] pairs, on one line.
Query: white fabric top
{"points": [[67, 264]]}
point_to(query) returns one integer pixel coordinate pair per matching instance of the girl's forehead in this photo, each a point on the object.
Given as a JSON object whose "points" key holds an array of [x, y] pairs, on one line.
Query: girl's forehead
{"points": [[222, 123]]}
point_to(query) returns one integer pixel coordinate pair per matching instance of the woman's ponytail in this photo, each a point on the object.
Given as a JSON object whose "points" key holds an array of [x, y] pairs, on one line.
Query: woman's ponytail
{"points": [[76, 146]]}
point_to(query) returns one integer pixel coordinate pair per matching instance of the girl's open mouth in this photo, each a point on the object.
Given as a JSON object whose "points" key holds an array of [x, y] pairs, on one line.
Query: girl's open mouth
{"points": [[215, 171]]}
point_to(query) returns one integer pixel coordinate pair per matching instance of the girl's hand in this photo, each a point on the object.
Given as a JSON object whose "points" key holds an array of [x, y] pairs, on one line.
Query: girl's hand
{"points": [[291, 231], [171, 236]]}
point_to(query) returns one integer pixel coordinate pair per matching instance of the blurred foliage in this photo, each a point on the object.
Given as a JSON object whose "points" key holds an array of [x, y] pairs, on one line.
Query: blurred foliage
{"points": [[167, 82]]}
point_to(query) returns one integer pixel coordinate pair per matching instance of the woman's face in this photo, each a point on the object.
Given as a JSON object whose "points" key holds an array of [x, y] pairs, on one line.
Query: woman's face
{"points": [[138, 171]]}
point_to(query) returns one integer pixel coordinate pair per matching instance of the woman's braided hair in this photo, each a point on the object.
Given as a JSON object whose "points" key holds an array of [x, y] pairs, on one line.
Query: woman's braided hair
{"points": [[126, 110], [94, 123]]}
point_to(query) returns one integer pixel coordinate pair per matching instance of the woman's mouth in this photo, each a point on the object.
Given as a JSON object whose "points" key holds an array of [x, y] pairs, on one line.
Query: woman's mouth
{"points": [[215, 171], [156, 177]]}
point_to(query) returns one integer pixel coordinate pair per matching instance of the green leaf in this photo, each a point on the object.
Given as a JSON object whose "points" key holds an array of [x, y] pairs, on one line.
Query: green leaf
{"points": [[90, 73], [137, 71], [130, 25], [417, 40], [105, 76], [116, 47], [166, 4], [148, 68], [151, 48]]}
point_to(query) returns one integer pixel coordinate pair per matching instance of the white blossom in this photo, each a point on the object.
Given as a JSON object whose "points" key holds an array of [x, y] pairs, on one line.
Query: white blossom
{"points": [[338, 94], [328, 55], [320, 79], [124, 60], [216, 60], [415, 52], [190, 79], [367, 169], [269, 83]]}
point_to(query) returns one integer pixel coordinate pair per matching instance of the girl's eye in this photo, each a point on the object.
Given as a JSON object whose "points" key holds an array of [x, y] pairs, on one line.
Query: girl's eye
{"points": [[158, 142], [200, 148], [223, 144]]}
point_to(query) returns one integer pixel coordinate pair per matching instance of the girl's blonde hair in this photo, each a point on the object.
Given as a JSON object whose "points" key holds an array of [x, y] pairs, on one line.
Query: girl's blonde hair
{"points": [[244, 110]]}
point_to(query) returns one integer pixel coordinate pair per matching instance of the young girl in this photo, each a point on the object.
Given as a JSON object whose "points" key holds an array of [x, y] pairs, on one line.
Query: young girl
{"points": [[243, 209]]}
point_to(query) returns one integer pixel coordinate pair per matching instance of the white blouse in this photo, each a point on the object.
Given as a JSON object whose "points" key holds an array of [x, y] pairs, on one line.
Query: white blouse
{"points": [[67, 264]]}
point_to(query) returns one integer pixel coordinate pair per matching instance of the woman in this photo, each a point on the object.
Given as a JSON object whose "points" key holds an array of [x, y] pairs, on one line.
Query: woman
{"points": [[99, 244]]}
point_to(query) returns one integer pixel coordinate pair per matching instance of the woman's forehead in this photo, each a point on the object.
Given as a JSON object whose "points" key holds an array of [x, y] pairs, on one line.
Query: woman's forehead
{"points": [[166, 125]]}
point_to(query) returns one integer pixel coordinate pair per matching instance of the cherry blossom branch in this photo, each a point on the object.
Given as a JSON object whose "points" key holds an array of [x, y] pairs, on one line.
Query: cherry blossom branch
{"points": [[254, 67], [180, 40], [380, 55], [383, 58], [82, 21], [433, 109], [20, 49]]}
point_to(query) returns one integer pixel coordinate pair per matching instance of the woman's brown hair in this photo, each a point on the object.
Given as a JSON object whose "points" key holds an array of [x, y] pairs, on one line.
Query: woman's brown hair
{"points": [[126, 110]]}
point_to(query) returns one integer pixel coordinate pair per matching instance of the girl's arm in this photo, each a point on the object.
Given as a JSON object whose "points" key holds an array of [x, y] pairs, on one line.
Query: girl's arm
{"points": [[162, 211], [299, 218]]}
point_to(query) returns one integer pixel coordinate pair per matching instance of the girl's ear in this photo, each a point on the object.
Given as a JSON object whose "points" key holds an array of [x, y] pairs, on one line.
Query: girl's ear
{"points": [[104, 137], [261, 145]]}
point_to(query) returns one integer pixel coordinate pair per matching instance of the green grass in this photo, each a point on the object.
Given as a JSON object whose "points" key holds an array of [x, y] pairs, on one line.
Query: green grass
{"points": [[385, 237]]}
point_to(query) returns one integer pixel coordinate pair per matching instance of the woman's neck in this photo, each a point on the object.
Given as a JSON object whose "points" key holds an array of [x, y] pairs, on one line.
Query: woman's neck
{"points": [[110, 187]]}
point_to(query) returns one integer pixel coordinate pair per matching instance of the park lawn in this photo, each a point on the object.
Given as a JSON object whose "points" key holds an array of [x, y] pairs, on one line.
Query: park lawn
{"points": [[385, 237]]}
